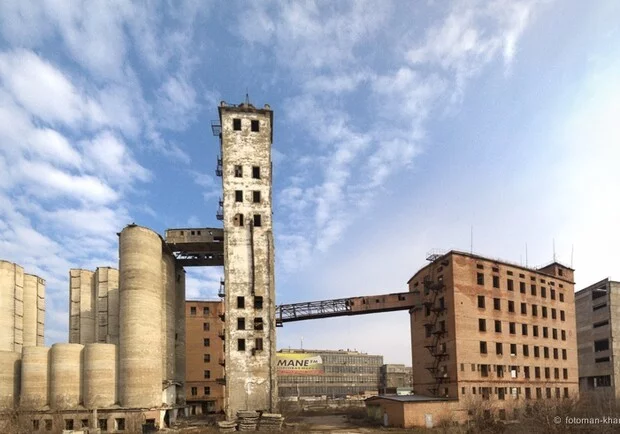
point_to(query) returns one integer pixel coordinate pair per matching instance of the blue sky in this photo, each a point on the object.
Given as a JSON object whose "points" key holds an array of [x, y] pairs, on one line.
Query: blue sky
{"points": [[399, 126]]}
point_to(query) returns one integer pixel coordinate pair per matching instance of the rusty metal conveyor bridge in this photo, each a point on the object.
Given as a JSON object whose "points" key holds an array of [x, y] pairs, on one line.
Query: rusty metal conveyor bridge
{"points": [[344, 307]]}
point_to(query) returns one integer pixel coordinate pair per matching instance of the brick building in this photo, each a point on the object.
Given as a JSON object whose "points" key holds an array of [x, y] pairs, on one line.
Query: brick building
{"points": [[598, 321], [394, 377], [492, 330], [204, 356]]}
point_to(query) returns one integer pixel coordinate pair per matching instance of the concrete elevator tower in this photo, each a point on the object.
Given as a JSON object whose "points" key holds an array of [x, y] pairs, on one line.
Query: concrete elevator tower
{"points": [[250, 335]]}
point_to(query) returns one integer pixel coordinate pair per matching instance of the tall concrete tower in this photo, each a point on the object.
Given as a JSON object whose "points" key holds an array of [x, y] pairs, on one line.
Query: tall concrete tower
{"points": [[250, 337]]}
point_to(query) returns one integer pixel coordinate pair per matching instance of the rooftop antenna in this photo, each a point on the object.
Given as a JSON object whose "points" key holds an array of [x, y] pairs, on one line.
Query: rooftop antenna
{"points": [[247, 97]]}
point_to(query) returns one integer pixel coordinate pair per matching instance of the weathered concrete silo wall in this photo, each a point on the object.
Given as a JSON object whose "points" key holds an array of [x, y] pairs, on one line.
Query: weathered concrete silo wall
{"points": [[82, 309], [7, 306], [169, 312], [30, 310], [106, 281], [66, 376], [140, 354], [40, 312], [34, 379], [113, 312], [9, 379], [180, 333], [100, 379]]}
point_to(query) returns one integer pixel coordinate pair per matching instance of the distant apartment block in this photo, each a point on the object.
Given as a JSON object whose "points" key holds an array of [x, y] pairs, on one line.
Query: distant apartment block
{"points": [[598, 333], [493, 330], [204, 372], [394, 377]]}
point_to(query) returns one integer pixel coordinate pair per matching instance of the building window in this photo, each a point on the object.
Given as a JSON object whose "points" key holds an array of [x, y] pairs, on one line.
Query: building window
{"points": [[35, 424], [258, 344], [556, 373], [207, 390], [258, 302], [545, 332], [562, 316], [241, 323], [482, 325], [535, 331], [554, 333], [537, 372], [206, 358], [255, 126], [483, 347], [120, 424], [524, 329], [563, 334], [240, 344], [563, 354], [528, 393], [241, 302], [554, 313], [546, 352], [238, 195], [534, 310], [547, 372], [544, 311], [511, 306], [69, 424], [533, 289], [543, 292], [523, 308], [522, 287], [601, 345], [256, 172], [499, 348], [510, 283], [495, 281], [484, 369], [552, 293], [600, 324], [257, 220], [238, 171], [238, 220], [539, 393], [513, 328], [536, 351], [256, 196], [565, 373], [205, 310], [205, 327], [206, 342], [481, 301], [526, 351], [561, 297], [496, 304], [513, 349], [498, 326], [526, 371], [480, 266], [258, 323], [480, 278], [192, 310], [207, 374], [236, 124], [566, 392], [102, 424]]}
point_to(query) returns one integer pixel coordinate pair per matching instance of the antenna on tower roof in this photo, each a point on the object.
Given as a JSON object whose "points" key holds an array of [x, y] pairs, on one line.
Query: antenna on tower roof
{"points": [[247, 97]]}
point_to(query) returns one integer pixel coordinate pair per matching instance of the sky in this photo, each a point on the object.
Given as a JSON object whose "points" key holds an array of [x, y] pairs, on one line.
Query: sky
{"points": [[399, 128]]}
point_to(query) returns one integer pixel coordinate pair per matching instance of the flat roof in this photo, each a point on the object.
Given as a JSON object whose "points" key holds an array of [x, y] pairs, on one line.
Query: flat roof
{"points": [[408, 398], [499, 261]]}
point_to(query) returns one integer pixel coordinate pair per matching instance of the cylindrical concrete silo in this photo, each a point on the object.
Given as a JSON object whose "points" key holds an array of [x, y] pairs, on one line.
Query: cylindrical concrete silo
{"points": [[7, 306], [140, 355], [180, 333], [30, 310], [9, 379], [34, 378], [100, 384], [169, 312], [65, 376], [113, 307], [40, 312]]}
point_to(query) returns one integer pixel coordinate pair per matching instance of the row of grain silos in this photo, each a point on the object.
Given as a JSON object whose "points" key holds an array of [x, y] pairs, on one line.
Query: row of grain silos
{"points": [[22, 308], [145, 368]]}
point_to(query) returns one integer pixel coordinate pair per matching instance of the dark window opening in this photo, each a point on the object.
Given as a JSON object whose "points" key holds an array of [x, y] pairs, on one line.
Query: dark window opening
{"points": [[480, 278], [258, 323], [523, 308], [524, 329], [206, 342], [258, 344], [238, 220], [256, 196], [240, 323], [206, 358], [526, 351], [546, 352], [69, 424], [236, 124], [258, 302], [511, 306], [510, 285], [238, 171], [483, 347], [498, 326], [562, 316], [120, 424], [102, 424], [256, 172], [238, 195], [513, 349], [533, 289], [192, 310], [482, 325], [499, 348], [601, 345], [255, 126], [205, 310], [241, 302], [496, 304], [481, 301], [207, 374], [561, 297], [207, 390], [35, 424], [257, 220], [513, 328], [240, 344], [522, 287], [600, 324], [205, 327], [601, 359], [495, 281], [536, 351], [535, 331]]}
